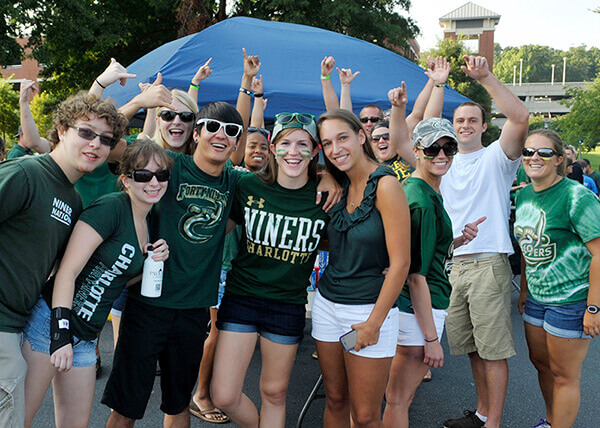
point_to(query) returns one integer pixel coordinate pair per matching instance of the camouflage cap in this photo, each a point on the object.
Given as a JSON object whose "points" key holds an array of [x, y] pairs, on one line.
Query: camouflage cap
{"points": [[430, 130]]}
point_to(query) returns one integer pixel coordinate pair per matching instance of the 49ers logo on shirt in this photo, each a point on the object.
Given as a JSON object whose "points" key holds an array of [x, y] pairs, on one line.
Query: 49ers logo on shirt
{"points": [[535, 244]]}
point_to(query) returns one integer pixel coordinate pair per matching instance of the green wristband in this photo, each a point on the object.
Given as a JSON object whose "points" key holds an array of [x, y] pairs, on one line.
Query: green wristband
{"points": [[193, 85], [324, 77]]}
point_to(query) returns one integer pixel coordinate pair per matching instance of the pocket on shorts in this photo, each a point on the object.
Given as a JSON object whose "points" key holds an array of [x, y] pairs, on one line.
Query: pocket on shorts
{"points": [[7, 387], [502, 275]]}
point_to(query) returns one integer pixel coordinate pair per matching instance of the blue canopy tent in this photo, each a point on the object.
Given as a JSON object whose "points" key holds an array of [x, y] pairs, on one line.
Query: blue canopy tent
{"points": [[291, 55]]}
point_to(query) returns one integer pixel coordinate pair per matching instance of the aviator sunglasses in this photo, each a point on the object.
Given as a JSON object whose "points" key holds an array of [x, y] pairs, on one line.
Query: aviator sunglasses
{"points": [[232, 130], [303, 118], [89, 135], [169, 115], [144, 176], [450, 149], [543, 152], [385, 136], [372, 119]]}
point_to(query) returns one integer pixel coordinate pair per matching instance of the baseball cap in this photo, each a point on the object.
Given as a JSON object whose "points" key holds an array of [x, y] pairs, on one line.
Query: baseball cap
{"points": [[430, 130], [304, 121]]}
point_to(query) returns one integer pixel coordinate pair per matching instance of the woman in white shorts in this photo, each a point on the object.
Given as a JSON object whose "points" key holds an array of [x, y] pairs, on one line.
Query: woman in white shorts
{"points": [[423, 301], [368, 232]]}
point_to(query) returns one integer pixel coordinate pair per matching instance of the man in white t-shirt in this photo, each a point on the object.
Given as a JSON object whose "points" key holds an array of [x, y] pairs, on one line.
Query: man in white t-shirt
{"points": [[478, 185]]}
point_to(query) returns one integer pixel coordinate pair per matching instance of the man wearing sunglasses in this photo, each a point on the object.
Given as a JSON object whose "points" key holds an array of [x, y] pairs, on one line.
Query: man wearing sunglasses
{"points": [[369, 116], [478, 185], [38, 208]]}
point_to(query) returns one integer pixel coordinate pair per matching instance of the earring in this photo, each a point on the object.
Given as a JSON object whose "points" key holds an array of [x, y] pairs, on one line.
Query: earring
{"points": [[235, 149], [312, 157], [417, 157]]}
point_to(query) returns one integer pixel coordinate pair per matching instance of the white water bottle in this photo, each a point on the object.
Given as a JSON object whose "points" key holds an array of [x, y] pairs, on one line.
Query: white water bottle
{"points": [[152, 276]]}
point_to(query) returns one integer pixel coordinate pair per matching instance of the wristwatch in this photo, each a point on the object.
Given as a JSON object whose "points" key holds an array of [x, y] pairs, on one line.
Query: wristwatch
{"points": [[593, 309]]}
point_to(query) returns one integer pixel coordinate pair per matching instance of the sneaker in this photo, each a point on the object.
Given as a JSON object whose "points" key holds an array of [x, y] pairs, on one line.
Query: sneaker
{"points": [[543, 423], [469, 420]]}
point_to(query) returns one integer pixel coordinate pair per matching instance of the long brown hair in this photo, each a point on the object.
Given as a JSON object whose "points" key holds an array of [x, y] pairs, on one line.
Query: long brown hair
{"points": [[354, 123], [269, 174]]}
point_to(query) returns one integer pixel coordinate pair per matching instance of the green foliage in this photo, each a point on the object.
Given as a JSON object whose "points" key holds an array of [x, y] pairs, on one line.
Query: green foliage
{"points": [[371, 20], [10, 51], [42, 107], [537, 122], [582, 63], [9, 108], [583, 122]]}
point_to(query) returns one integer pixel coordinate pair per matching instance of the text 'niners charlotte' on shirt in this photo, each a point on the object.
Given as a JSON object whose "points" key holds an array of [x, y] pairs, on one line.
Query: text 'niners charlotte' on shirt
{"points": [[282, 230], [38, 208]]}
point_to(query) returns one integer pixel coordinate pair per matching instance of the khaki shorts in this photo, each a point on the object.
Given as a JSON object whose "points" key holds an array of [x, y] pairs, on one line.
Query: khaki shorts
{"points": [[13, 369], [479, 312]]}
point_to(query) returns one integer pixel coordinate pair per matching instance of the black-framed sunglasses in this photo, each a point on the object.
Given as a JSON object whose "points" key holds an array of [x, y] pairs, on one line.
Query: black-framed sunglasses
{"points": [[372, 119], [263, 131], [232, 130], [89, 135], [144, 175], [303, 118], [169, 115], [450, 149], [385, 136], [544, 152]]}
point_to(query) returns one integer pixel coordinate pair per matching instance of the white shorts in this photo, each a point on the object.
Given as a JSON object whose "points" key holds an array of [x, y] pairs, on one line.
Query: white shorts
{"points": [[409, 330], [332, 320]]}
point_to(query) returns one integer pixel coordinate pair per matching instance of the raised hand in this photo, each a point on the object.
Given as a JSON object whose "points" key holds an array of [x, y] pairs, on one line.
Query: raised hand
{"points": [[257, 85], [477, 67], [203, 72], [251, 64], [28, 90], [346, 76], [327, 66], [398, 96], [438, 70], [114, 72], [155, 95]]}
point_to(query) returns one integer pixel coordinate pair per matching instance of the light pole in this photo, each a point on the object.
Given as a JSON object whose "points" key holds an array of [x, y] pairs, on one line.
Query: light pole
{"points": [[521, 72], [564, 70], [553, 67], [514, 75]]}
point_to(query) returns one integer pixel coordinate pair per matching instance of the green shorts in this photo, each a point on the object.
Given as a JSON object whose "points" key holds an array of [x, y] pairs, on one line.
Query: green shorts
{"points": [[479, 312]]}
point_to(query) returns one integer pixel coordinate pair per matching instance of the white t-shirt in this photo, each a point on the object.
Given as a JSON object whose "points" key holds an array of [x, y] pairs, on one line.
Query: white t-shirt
{"points": [[477, 185]]}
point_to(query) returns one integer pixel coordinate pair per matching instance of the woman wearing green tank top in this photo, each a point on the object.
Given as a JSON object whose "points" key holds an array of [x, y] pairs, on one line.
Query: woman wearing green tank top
{"points": [[369, 231]]}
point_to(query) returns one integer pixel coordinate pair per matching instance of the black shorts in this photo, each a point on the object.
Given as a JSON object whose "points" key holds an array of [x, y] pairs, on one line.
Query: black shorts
{"points": [[174, 337]]}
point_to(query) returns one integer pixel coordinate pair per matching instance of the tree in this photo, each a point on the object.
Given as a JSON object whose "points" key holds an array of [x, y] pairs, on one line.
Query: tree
{"points": [[372, 20], [10, 51], [9, 108], [582, 64], [454, 50], [583, 122]]}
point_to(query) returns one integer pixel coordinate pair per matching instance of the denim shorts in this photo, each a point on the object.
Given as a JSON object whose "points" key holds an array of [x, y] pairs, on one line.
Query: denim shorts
{"points": [[37, 333], [564, 321], [279, 322]]}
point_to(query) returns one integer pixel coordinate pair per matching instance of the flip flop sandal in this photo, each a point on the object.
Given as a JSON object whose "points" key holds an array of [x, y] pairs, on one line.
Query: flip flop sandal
{"points": [[208, 415]]}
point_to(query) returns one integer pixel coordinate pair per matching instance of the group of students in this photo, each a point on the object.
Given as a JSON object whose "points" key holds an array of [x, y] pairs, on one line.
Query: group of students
{"points": [[386, 289]]}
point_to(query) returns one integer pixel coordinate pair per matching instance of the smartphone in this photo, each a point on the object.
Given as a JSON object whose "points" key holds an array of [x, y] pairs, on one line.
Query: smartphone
{"points": [[348, 340]]}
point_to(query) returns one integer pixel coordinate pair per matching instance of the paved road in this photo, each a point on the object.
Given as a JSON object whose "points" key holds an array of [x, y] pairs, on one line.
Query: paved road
{"points": [[447, 395]]}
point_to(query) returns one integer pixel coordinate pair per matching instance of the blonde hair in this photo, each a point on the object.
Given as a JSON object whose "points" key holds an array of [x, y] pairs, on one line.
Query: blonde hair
{"points": [[187, 101]]}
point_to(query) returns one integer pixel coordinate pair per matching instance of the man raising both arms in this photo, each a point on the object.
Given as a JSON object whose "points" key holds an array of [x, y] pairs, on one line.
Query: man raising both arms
{"points": [[477, 185]]}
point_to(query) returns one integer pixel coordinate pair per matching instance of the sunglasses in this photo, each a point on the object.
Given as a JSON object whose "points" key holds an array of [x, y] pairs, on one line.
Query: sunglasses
{"points": [[144, 176], [450, 149], [169, 115], [232, 130], [89, 135], [303, 118], [372, 119], [385, 136], [543, 152], [263, 131]]}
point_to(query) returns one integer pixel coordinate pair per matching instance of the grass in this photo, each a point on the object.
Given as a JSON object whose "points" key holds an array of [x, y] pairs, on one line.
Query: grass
{"points": [[594, 158]]}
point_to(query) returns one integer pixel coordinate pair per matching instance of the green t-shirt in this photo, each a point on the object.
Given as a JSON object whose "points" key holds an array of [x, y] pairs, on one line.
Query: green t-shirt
{"points": [[596, 177], [431, 243], [117, 259], [230, 248], [18, 151], [97, 183], [358, 254], [552, 227], [522, 176], [38, 209], [402, 169], [191, 217], [282, 230]]}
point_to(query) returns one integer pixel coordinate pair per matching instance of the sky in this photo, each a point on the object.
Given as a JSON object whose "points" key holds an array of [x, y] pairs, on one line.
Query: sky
{"points": [[560, 24]]}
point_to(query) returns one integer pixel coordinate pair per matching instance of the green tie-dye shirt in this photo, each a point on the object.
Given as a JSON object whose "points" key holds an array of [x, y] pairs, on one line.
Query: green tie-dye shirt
{"points": [[552, 227]]}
